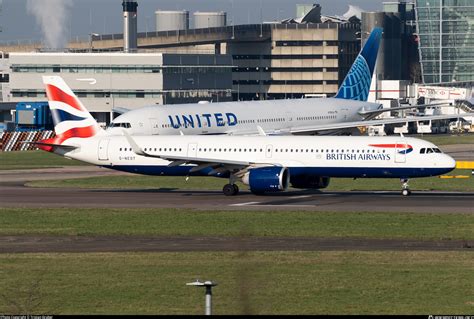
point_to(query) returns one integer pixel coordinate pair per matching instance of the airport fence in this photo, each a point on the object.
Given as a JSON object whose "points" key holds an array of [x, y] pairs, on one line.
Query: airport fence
{"points": [[15, 141]]}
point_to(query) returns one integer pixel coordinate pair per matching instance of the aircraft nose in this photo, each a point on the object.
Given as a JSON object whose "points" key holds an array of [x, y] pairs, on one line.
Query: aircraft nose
{"points": [[450, 162]]}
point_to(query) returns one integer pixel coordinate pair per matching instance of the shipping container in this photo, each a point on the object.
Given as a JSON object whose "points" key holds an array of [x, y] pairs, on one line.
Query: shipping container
{"points": [[33, 116]]}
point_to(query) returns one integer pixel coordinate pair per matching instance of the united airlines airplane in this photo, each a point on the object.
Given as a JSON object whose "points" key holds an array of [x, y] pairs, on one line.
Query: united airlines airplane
{"points": [[265, 163], [346, 111]]}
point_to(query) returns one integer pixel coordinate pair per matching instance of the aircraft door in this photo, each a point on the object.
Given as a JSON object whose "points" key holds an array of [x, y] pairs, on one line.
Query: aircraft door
{"points": [[154, 126], [192, 150], [268, 151], [400, 152], [289, 119], [103, 149]]}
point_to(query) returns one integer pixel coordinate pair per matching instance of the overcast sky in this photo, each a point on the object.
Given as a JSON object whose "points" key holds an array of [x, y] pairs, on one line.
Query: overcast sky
{"points": [[82, 17]]}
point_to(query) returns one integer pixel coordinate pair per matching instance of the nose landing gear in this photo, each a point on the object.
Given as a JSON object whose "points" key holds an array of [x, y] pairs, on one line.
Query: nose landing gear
{"points": [[405, 188]]}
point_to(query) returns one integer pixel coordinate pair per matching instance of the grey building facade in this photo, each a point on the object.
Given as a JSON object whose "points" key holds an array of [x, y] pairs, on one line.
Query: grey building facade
{"points": [[446, 40]]}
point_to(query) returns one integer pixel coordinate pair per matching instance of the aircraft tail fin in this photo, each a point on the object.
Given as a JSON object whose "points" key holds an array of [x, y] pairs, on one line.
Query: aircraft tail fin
{"points": [[70, 117], [356, 84]]}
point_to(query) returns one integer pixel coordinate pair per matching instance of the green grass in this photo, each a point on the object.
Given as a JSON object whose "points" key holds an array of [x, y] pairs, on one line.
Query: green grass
{"points": [[447, 139], [183, 222], [248, 283], [33, 159], [212, 183], [137, 182]]}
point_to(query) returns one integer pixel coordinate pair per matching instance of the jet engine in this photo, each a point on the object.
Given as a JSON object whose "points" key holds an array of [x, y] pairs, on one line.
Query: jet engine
{"points": [[267, 179]]}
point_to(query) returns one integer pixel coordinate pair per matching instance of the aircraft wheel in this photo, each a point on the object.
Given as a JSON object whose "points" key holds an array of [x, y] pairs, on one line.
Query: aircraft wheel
{"points": [[236, 189], [229, 190], [406, 192]]}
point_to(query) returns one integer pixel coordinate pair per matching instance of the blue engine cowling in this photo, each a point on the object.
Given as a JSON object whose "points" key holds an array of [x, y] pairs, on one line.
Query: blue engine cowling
{"points": [[267, 179], [309, 181]]}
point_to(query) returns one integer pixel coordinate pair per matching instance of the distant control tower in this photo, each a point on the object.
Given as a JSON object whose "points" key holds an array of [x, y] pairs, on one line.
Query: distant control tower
{"points": [[129, 25]]}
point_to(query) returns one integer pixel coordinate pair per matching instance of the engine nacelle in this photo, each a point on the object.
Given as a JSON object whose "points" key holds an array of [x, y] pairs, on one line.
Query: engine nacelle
{"points": [[310, 181], [267, 179]]}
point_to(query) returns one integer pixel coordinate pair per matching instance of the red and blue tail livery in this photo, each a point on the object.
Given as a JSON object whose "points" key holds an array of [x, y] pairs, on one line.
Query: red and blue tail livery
{"points": [[71, 119]]}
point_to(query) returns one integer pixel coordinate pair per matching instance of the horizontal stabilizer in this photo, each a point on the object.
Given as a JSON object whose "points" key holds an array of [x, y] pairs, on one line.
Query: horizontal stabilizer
{"points": [[50, 146]]}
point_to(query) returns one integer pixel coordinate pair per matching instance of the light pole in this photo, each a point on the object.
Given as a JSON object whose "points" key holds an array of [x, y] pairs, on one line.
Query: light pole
{"points": [[208, 285], [91, 36]]}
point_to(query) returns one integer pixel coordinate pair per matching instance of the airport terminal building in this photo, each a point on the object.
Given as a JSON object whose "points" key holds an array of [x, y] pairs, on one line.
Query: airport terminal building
{"points": [[109, 81], [446, 40]]}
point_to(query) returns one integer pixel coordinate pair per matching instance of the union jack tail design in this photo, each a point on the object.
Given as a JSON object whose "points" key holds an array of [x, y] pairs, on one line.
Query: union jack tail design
{"points": [[70, 117]]}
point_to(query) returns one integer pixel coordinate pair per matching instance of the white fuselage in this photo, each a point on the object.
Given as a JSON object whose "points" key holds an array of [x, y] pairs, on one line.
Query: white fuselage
{"points": [[239, 118], [303, 155]]}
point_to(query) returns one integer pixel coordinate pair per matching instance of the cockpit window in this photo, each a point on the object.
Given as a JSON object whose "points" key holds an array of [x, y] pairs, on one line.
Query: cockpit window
{"points": [[123, 124], [430, 150]]}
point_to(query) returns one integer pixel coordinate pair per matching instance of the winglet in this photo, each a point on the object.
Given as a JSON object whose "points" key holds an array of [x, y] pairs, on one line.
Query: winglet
{"points": [[261, 132], [135, 148]]}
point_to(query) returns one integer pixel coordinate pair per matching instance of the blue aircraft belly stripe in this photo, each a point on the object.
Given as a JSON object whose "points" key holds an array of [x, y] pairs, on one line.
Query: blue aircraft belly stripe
{"points": [[369, 172]]}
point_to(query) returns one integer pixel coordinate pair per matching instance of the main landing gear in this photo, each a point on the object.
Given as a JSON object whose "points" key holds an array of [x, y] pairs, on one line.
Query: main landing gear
{"points": [[405, 188], [231, 189]]}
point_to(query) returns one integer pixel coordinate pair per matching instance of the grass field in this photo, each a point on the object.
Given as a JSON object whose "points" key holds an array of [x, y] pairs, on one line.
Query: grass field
{"points": [[248, 283], [212, 183], [290, 282], [33, 159], [447, 139], [183, 222]]}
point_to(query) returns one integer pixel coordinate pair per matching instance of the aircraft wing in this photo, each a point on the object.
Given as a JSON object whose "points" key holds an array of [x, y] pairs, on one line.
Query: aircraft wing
{"points": [[218, 165], [400, 108], [344, 125]]}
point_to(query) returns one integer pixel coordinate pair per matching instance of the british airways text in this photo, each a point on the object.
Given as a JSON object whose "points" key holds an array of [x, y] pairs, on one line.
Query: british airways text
{"points": [[203, 120], [358, 157]]}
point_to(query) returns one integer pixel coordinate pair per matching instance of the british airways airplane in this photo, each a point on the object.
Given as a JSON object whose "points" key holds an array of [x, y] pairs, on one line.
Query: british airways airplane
{"points": [[346, 111], [265, 163]]}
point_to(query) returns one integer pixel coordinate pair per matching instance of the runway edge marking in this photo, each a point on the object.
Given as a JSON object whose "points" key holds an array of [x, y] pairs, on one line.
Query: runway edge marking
{"points": [[245, 204]]}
